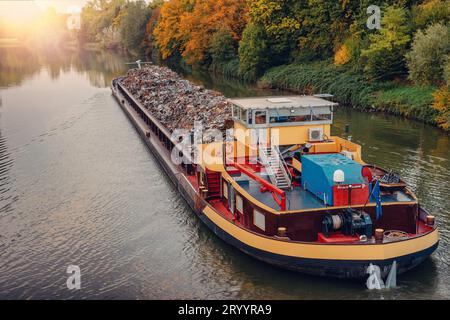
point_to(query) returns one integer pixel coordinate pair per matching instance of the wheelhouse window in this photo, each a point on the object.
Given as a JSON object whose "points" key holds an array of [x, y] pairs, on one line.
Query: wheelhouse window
{"points": [[286, 119], [321, 117], [300, 115], [243, 116], [260, 117], [236, 112], [240, 114]]}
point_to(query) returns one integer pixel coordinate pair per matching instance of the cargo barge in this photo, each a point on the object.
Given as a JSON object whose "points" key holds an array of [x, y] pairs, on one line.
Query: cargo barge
{"points": [[286, 192]]}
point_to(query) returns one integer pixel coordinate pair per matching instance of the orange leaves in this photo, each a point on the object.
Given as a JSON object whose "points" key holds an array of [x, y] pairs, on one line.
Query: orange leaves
{"points": [[342, 56], [167, 32], [442, 104], [188, 28]]}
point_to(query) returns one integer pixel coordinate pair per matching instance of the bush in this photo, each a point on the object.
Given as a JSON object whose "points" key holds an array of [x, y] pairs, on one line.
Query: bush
{"points": [[428, 55], [447, 70]]}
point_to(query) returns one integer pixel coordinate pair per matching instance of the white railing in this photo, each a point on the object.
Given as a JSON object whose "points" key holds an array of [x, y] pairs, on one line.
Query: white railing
{"points": [[274, 165], [285, 169]]}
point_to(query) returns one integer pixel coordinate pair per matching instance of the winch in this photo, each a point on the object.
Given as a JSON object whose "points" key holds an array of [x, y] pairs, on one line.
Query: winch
{"points": [[349, 222]]}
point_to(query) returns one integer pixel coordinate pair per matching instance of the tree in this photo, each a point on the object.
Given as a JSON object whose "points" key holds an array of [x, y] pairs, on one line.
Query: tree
{"points": [[254, 55], [207, 18], [98, 15], [280, 25], [325, 24], [187, 28], [384, 58], [167, 33], [110, 38], [133, 18], [428, 55], [430, 12], [222, 47], [149, 42]]}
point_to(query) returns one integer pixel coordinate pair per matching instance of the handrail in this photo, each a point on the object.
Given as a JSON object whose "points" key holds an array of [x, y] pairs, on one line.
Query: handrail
{"points": [[286, 172], [275, 191], [269, 170]]}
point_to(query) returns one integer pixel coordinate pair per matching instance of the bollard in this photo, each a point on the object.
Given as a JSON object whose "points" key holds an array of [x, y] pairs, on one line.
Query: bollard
{"points": [[281, 232], [379, 234], [430, 221]]}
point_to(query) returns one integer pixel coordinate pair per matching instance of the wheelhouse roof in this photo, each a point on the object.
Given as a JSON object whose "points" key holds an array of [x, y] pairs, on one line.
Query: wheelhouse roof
{"points": [[279, 102]]}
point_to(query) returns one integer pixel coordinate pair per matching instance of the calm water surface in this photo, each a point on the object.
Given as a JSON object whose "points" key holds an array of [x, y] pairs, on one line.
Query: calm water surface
{"points": [[77, 186]]}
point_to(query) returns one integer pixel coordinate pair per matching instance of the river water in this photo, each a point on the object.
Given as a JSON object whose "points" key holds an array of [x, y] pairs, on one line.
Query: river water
{"points": [[78, 187]]}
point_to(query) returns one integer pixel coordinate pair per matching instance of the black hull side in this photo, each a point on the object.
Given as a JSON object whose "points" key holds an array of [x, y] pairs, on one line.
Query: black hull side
{"points": [[344, 269]]}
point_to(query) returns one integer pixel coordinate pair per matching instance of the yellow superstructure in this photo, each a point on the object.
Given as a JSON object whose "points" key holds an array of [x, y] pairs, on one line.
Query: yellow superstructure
{"points": [[289, 121]]}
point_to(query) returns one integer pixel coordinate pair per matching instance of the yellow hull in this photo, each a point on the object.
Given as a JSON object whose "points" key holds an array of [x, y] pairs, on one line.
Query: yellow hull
{"points": [[340, 260]]}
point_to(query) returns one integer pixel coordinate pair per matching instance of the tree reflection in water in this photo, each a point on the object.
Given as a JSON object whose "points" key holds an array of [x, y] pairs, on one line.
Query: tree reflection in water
{"points": [[20, 63]]}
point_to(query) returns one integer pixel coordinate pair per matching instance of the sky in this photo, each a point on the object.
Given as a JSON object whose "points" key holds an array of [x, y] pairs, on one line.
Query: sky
{"points": [[19, 15], [23, 9]]}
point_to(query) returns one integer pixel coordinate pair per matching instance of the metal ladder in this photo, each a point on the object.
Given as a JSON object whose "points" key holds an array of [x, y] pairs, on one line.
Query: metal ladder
{"points": [[275, 167]]}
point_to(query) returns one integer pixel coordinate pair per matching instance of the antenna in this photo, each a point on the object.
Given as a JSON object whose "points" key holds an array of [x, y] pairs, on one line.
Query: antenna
{"points": [[139, 63]]}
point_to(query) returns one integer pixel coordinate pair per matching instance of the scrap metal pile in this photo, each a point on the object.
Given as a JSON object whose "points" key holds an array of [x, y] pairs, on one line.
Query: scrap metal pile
{"points": [[176, 102]]}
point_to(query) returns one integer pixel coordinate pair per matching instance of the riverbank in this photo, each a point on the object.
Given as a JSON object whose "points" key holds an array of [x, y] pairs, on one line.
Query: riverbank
{"points": [[350, 88]]}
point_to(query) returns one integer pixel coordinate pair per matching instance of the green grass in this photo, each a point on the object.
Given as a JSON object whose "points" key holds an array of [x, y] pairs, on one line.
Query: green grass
{"points": [[352, 89], [409, 101], [320, 77]]}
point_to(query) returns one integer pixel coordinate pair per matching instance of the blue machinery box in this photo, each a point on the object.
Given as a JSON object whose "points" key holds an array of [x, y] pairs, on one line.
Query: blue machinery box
{"points": [[318, 171]]}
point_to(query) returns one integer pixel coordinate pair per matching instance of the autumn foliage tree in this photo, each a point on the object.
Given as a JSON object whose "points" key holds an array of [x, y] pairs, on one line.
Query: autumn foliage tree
{"points": [[167, 33], [442, 105], [188, 27], [149, 41]]}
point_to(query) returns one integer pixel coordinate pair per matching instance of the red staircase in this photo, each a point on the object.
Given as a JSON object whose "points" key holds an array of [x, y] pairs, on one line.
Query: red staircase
{"points": [[213, 184]]}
